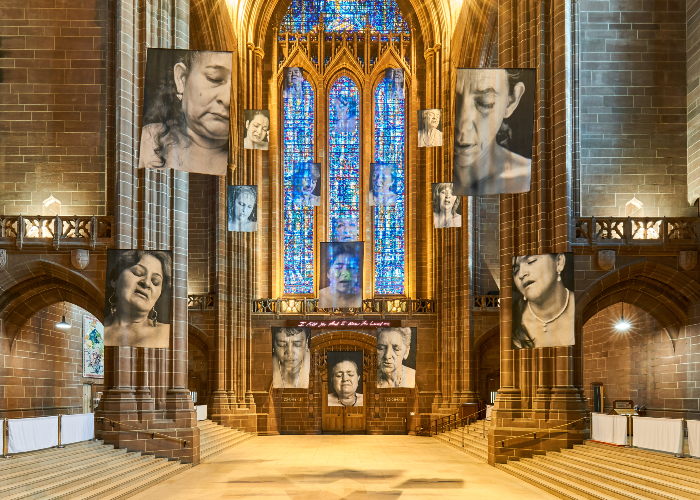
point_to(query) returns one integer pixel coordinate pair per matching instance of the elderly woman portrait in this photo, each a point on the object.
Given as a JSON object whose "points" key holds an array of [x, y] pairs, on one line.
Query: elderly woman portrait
{"points": [[291, 357], [257, 129], [494, 116], [346, 229], [306, 185], [543, 300], [341, 275], [291, 82], [344, 378], [186, 111], [344, 115], [383, 192], [243, 208], [394, 346], [429, 128], [137, 308], [396, 76], [447, 207]]}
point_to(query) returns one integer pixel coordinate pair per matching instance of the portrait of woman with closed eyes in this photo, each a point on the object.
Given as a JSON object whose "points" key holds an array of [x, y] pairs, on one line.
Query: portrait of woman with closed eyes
{"points": [[544, 308], [257, 129], [187, 97], [137, 309], [494, 118], [243, 209]]}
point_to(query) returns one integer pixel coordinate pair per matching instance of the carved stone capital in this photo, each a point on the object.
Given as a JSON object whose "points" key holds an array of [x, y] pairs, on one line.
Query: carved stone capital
{"points": [[606, 259], [80, 258], [687, 259]]}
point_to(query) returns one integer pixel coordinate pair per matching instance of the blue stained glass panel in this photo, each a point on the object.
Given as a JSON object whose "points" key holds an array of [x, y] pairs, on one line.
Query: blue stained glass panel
{"points": [[304, 16], [389, 221], [298, 144], [344, 160]]}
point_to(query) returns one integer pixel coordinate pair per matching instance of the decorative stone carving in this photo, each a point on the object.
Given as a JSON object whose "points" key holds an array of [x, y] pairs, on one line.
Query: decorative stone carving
{"points": [[687, 259], [606, 259], [3, 259], [80, 258]]}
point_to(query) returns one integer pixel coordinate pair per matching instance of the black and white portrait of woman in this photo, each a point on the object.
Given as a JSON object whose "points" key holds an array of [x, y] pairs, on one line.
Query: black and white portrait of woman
{"points": [[396, 76], [306, 184], [341, 275], [186, 111], [429, 128], [291, 357], [383, 189], [291, 82], [257, 129], [543, 300], [243, 209], [447, 207], [494, 117], [396, 357], [344, 378], [137, 306]]}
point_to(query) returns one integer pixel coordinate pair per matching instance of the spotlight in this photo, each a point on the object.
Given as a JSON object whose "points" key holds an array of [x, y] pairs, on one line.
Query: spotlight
{"points": [[623, 325], [63, 325]]}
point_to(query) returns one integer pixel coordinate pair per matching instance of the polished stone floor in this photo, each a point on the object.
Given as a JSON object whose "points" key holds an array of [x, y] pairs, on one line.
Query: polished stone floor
{"points": [[344, 467]]}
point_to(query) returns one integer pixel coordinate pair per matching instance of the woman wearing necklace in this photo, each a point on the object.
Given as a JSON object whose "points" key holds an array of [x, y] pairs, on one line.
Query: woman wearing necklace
{"points": [[290, 358], [543, 301], [345, 377]]}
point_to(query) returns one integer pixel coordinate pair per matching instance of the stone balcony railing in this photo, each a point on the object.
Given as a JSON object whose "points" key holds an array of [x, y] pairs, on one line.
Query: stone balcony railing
{"points": [[383, 307], [673, 233], [201, 301], [58, 231], [485, 303]]}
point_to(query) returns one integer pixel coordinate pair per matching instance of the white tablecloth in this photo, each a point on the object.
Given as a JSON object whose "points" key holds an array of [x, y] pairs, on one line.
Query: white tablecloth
{"points": [[29, 434], [609, 429], [201, 412], [76, 428], [662, 434], [694, 437]]}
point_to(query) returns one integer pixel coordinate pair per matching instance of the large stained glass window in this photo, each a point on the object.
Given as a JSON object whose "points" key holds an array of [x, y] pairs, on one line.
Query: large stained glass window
{"points": [[389, 221], [304, 16], [344, 160], [298, 143]]}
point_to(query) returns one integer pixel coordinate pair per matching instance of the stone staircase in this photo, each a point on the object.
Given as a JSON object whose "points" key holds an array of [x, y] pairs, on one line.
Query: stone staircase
{"points": [[86, 470], [215, 438], [472, 439], [602, 472]]}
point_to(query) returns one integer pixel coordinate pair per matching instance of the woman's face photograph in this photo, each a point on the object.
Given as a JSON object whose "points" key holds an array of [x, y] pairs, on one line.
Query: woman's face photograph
{"points": [[140, 286], [306, 183], [383, 180], [206, 94], [432, 119], [345, 379], [342, 108], [257, 129], [446, 199], [342, 276], [293, 78], [346, 229], [243, 206], [483, 101], [535, 276], [290, 349], [391, 351]]}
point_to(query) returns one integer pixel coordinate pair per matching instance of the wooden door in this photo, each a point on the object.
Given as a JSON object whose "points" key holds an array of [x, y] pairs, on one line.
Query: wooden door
{"points": [[332, 415], [354, 420]]}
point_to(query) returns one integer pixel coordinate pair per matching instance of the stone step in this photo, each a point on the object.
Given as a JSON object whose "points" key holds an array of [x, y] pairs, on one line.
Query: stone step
{"points": [[477, 450], [213, 451], [215, 438], [32, 460], [481, 444], [655, 459], [220, 431], [223, 441]]}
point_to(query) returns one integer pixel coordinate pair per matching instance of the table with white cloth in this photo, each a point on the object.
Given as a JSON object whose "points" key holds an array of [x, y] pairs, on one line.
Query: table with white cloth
{"points": [[661, 434], [609, 429]]}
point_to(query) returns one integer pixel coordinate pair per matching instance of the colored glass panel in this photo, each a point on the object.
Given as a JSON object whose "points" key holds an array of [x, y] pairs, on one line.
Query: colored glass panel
{"points": [[344, 160], [298, 141], [389, 221], [304, 16]]}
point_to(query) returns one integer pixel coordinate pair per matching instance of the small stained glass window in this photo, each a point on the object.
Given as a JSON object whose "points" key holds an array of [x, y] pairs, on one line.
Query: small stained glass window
{"points": [[298, 140], [304, 16]]}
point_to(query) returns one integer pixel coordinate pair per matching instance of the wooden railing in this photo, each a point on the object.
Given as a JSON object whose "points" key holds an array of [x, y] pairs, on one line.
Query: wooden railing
{"points": [[303, 306], [637, 231], [39, 230]]}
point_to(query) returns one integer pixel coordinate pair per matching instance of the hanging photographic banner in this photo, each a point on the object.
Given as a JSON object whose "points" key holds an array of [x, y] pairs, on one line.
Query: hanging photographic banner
{"points": [[93, 348], [383, 189], [544, 308], [341, 275], [494, 118], [396, 357], [243, 209], [344, 378], [447, 207], [291, 82], [396, 76], [137, 298], [257, 129], [291, 357], [186, 110], [429, 128], [306, 186]]}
